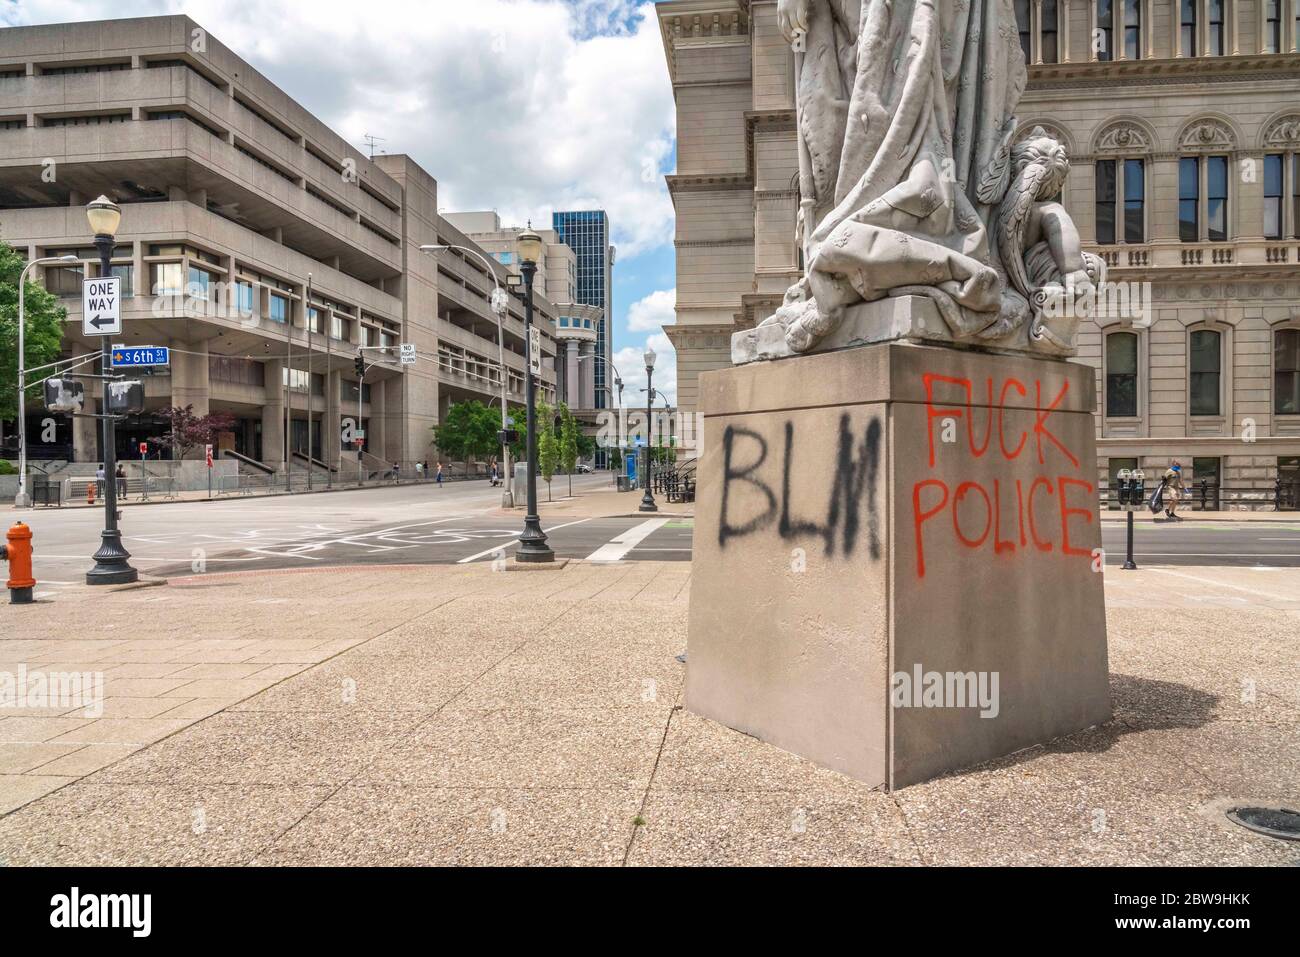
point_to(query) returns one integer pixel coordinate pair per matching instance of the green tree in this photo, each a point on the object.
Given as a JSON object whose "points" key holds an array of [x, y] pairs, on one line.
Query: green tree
{"points": [[468, 429], [43, 317], [548, 456], [568, 443]]}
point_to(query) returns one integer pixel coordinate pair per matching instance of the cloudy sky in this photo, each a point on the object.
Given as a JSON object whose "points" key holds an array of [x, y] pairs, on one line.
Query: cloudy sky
{"points": [[522, 106]]}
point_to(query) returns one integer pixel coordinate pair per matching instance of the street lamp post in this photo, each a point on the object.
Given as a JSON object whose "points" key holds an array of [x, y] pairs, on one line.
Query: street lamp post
{"points": [[499, 301], [23, 499], [618, 381], [648, 499], [111, 565], [532, 543]]}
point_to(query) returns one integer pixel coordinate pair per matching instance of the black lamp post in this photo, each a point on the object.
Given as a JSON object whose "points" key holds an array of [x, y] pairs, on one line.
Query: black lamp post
{"points": [[111, 565], [648, 499], [532, 543]]}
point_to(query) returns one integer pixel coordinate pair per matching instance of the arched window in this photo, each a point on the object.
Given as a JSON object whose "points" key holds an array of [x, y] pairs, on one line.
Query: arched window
{"points": [[1286, 372], [1121, 375], [1206, 372]]}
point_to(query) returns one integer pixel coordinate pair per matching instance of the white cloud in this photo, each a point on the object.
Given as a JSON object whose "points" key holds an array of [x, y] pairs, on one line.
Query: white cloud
{"points": [[525, 107], [630, 363], [653, 312]]}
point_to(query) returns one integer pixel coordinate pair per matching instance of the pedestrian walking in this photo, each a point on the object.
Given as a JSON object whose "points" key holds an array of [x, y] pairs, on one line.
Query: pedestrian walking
{"points": [[120, 475], [439, 475], [1172, 483], [99, 480]]}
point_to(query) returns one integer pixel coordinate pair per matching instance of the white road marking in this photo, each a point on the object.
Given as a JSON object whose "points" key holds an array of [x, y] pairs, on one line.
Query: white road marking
{"points": [[1211, 581], [1225, 554], [618, 547], [514, 541]]}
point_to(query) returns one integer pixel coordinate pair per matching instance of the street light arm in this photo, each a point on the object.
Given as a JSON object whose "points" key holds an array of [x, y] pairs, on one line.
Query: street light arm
{"points": [[497, 308]]}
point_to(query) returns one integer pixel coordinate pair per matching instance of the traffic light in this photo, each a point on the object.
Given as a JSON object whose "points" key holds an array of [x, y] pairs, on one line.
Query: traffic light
{"points": [[64, 395], [125, 398], [361, 366]]}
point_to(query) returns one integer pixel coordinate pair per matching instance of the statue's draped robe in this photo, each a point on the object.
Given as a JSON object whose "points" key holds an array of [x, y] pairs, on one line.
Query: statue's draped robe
{"points": [[906, 117]]}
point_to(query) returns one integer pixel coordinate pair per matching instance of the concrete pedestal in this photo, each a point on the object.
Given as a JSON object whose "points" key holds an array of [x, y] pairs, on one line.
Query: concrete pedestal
{"points": [[897, 564]]}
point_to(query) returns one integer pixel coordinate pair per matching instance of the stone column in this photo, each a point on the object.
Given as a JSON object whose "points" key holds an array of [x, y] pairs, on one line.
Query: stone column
{"points": [[190, 383], [331, 441], [273, 415], [571, 373]]}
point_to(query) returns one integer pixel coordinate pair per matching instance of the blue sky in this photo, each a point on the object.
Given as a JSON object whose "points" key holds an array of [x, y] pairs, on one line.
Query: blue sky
{"points": [[525, 107]]}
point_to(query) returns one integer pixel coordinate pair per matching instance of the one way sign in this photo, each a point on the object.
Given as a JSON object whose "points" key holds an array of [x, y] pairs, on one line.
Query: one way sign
{"points": [[101, 307]]}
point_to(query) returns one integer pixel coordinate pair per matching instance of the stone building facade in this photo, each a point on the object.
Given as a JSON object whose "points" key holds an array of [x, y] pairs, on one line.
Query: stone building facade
{"points": [[1182, 120], [233, 196]]}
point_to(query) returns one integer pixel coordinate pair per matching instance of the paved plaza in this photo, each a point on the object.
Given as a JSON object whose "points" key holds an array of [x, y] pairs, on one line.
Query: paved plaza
{"points": [[462, 714]]}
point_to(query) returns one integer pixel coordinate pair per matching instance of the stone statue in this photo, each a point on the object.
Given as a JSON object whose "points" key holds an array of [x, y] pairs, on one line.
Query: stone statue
{"points": [[912, 182]]}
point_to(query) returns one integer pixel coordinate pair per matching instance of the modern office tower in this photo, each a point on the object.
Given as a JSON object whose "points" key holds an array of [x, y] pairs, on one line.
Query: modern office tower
{"points": [[233, 199]]}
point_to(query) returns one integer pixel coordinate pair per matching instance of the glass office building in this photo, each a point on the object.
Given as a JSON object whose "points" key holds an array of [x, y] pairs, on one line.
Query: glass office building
{"points": [[586, 232]]}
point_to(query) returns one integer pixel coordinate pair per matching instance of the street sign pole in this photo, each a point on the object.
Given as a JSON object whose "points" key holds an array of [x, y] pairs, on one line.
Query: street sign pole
{"points": [[101, 315]]}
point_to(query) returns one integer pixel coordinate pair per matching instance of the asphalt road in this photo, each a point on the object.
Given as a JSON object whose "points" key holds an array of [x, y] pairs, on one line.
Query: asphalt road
{"points": [[422, 524], [1189, 542]]}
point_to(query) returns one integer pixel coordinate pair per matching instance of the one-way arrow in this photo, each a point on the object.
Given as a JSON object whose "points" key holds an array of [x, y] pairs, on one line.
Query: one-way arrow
{"points": [[99, 321]]}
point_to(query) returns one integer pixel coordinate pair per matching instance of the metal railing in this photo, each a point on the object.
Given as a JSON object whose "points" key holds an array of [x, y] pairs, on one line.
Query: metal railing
{"points": [[1207, 496]]}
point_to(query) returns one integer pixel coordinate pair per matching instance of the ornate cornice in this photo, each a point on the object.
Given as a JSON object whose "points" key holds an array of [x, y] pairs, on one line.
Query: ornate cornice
{"points": [[711, 182], [713, 243], [1162, 72]]}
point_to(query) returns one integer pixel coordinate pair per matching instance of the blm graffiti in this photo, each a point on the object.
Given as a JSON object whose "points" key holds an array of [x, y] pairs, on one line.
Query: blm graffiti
{"points": [[843, 513], [1027, 497]]}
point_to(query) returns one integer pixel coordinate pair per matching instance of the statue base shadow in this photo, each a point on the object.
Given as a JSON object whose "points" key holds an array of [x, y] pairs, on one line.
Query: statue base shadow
{"points": [[897, 558]]}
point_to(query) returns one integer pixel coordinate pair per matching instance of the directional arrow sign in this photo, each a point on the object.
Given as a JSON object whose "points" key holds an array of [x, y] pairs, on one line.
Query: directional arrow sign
{"points": [[101, 302]]}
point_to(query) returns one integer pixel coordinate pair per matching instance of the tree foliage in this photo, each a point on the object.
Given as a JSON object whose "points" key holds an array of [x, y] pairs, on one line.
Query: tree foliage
{"points": [[43, 317], [568, 440], [468, 429], [548, 455], [188, 431]]}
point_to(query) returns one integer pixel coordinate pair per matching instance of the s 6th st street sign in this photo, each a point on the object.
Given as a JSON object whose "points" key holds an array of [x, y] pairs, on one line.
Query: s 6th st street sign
{"points": [[126, 357], [101, 303]]}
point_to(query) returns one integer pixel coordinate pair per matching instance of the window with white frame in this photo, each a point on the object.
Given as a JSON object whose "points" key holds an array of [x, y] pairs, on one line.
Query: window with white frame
{"points": [[1205, 372], [1121, 375]]}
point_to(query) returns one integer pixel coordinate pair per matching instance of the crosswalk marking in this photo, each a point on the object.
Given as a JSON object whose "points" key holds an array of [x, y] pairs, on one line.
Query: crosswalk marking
{"points": [[618, 547]]}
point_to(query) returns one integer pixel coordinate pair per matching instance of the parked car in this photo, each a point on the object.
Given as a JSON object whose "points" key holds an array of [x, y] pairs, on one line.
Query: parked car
{"points": [[583, 468]]}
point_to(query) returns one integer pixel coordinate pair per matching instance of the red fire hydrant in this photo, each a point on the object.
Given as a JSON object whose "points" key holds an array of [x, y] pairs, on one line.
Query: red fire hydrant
{"points": [[18, 552]]}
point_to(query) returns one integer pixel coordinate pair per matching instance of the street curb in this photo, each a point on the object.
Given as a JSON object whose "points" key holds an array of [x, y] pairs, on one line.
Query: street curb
{"points": [[99, 505], [1226, 521]]}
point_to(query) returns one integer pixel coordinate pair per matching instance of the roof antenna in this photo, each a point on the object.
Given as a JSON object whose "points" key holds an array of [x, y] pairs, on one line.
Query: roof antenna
{"points": [[371, 142]]}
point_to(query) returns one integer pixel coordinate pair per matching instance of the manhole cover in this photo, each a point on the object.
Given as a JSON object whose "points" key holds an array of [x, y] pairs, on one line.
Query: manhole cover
{"points": [[1279, 822]]}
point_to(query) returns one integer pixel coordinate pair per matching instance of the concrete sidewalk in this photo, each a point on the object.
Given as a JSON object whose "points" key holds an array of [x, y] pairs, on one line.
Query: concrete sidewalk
{"points": [[452, 714]]}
